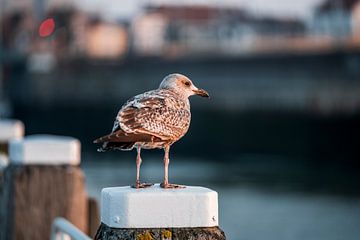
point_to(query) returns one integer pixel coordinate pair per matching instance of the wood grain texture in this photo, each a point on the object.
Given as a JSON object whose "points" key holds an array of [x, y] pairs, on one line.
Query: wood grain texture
{"points": [[210, 233], [94, 216], [32, 196]]}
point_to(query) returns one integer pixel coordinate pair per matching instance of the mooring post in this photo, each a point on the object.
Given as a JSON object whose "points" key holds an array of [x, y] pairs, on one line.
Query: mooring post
{"points": [[157, 213], [43, 181], [9, 129]]}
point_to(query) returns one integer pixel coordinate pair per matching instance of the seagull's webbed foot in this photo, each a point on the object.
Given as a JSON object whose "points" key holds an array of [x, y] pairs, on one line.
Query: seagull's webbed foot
{"points": [[171, 185], [142, 185]]}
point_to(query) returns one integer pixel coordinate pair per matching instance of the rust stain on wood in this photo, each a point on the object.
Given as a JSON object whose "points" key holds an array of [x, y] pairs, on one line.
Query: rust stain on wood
{"points": [[166, 235], [144, 236]]}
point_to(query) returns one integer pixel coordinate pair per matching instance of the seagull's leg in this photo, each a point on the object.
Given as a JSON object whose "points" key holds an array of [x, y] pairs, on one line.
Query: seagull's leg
{"points": [[166, 165], [138, 184], [138, 163], [166, 183]]}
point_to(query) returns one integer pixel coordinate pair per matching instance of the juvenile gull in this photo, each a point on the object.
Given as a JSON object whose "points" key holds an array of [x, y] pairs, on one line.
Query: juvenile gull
{"points": [[154, 119]]}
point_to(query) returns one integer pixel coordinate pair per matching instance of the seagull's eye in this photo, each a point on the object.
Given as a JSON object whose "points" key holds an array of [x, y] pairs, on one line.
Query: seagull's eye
{"points": [[187, 84]]}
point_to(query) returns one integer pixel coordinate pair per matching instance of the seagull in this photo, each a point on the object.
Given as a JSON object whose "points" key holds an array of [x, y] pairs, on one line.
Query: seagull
{"points": [[154, 119]]}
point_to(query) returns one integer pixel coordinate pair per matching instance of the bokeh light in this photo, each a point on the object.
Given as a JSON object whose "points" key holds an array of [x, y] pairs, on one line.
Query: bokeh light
{"points": [[47, 27]]}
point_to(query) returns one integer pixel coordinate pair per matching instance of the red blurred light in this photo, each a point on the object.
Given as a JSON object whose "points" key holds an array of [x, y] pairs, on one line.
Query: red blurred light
{"points": [[47, 27]]}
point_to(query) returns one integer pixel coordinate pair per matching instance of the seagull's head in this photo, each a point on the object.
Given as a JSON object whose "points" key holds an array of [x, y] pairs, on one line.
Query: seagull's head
{"points": [[182, 85]]}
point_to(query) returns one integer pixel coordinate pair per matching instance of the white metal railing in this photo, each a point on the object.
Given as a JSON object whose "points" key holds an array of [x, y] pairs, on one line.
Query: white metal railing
{"points": [[62, 229]]}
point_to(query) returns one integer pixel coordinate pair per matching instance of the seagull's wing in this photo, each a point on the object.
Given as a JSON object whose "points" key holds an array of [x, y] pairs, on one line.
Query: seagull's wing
{"points": [[150, 117], [157, 113]]}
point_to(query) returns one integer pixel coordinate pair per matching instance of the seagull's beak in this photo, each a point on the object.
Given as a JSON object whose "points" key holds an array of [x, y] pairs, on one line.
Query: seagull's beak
{"points": [[201, 92]]}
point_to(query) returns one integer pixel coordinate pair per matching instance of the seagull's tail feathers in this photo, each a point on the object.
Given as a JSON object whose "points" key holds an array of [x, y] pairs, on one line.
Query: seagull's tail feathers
{"points": [[120, 140], [118, 136], [121, 136], [116, 146]]}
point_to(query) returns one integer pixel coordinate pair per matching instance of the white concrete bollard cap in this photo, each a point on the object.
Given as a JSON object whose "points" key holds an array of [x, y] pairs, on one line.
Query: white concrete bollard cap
{"points": [[155, 207], [11, 129], [46, 150]]}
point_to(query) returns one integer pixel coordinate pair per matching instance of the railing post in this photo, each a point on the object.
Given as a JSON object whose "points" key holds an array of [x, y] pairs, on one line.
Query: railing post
{"points": [[156, 213], [43, 181]]}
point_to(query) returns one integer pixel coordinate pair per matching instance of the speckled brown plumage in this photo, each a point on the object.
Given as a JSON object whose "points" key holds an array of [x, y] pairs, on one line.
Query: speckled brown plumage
{"points": [[149, 120]]}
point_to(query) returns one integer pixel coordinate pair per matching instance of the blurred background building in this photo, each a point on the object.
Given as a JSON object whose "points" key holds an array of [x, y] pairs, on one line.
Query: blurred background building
{"points": [[284, 78], [173, 31]]}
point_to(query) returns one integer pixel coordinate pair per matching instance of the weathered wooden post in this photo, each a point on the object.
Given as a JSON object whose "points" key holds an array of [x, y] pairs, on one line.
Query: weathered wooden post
{"points": [[42, 181], [157, 213], [9, 129]]}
